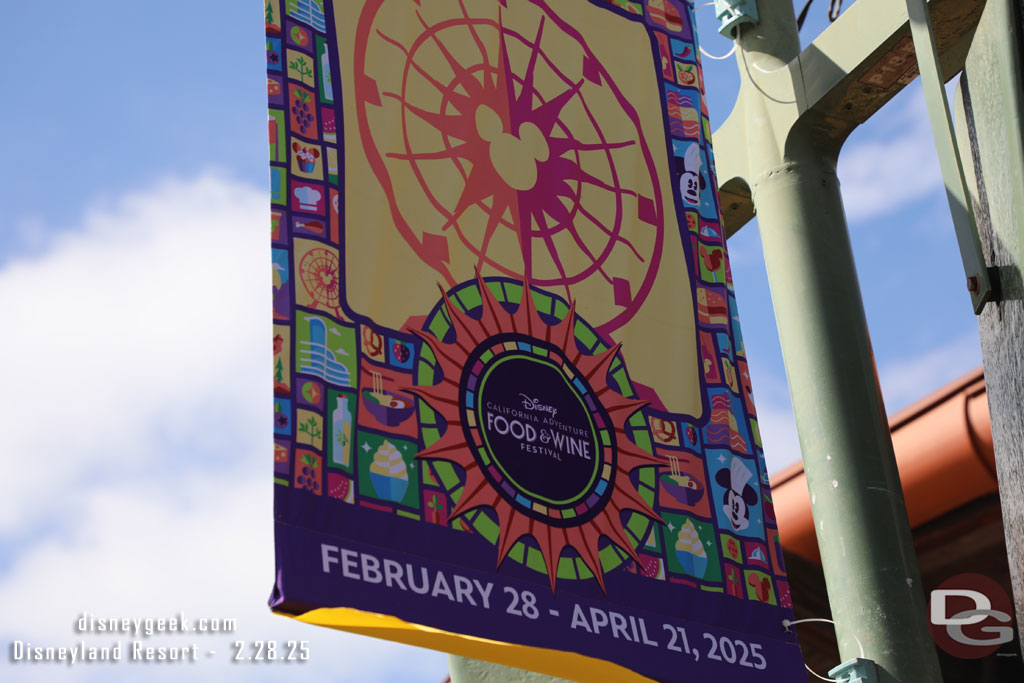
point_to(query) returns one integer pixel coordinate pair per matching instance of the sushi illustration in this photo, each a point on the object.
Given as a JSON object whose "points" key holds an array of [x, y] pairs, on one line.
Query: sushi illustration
{"points": [[388, 473]]}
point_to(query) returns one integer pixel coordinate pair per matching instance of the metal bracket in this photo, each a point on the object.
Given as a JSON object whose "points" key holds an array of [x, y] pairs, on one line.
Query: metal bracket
{"points": [[855, 671], [732, 13], [979, 283]]}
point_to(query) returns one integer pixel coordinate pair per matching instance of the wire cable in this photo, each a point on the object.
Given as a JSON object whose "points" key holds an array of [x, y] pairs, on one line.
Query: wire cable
{"points": [[786, 623], [803, 15], [701, 47], [834, 9], [725, 56]]}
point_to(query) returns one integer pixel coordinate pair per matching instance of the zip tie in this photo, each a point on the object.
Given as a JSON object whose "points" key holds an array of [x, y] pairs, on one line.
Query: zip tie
{"points": [[786, 623], [725, 56]]}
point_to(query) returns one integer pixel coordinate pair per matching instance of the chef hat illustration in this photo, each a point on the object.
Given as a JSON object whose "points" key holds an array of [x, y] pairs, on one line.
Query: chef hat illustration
{"points": [[308, 198], [691, 182], [740, 475], [737, 478], [691, 159]]}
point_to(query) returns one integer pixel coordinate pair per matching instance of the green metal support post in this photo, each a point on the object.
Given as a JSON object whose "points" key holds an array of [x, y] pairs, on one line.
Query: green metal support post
{"points": [[867, 552], [465, 670]]}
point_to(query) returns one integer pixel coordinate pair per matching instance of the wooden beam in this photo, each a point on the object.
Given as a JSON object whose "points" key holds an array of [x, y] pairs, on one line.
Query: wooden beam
{"points": [[867, 56], [989, 108]]}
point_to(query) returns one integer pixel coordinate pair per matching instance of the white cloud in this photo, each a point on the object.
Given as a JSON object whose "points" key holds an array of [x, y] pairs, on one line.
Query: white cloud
{"points": [[778, 434], [908, 379], [891, 162], [136, 419], [197, 545], [151, 316]]}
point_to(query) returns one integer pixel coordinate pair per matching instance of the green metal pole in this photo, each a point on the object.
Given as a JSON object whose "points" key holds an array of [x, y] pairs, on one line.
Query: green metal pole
{"points": [[860, 517], [465, 670]]}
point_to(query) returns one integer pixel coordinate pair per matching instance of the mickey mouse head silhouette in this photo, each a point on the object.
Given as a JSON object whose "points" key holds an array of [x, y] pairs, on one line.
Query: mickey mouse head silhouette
{"points": [[514, 157], [739, 494], [691, 181]]}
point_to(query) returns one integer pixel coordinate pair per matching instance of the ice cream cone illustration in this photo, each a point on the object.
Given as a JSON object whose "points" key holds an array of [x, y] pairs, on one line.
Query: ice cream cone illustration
{"points": [[690, 551], [388, 473]]}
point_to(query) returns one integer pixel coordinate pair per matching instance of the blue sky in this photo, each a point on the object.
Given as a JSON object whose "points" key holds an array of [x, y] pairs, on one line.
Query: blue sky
{"points": [[134, 284]]}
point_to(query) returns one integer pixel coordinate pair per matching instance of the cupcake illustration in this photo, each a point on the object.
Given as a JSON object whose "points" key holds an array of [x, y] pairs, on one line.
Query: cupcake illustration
{"points": [[690, 551], [306, 157], [388, 473]]}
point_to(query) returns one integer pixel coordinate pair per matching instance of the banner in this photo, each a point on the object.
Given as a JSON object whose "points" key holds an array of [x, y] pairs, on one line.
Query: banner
{"points": [[513, 417]]}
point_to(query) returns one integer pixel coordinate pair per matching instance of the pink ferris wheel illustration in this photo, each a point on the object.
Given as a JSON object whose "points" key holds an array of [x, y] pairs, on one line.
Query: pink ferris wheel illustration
{"points": [[319, 271], [516, 152]]}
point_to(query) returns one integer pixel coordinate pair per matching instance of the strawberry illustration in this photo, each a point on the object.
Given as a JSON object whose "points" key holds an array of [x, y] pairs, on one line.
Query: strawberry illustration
{"points": [[338, 486], [651, 566], [401, 352]]}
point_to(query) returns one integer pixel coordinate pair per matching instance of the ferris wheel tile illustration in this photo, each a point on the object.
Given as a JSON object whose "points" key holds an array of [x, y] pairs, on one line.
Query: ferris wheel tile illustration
{"points": [[502, 142], [319, 271]]}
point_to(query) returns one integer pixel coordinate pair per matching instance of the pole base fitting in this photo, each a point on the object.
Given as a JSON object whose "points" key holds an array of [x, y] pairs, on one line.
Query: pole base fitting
{"points": [[732, 13], [855, 671]]}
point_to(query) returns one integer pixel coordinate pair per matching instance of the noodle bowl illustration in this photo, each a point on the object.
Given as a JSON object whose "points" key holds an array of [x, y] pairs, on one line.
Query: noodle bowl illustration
{"points": [[682, 487], [388, 408]]}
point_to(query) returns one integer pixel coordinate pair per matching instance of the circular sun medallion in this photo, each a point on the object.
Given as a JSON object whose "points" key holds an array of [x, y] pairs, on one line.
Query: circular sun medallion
{"points": [[540, 436], [537, 429]]}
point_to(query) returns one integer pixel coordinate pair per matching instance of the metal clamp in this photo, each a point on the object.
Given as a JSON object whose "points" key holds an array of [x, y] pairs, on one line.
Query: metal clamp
{"points": [[732, 13]]}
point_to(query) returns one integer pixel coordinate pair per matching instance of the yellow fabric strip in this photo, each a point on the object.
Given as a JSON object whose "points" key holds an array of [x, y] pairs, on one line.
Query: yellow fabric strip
{"points": [[542, 660]]}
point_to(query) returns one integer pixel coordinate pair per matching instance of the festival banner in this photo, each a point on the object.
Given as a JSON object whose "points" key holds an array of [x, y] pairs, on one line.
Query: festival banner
{"points": [[512, 413]]}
